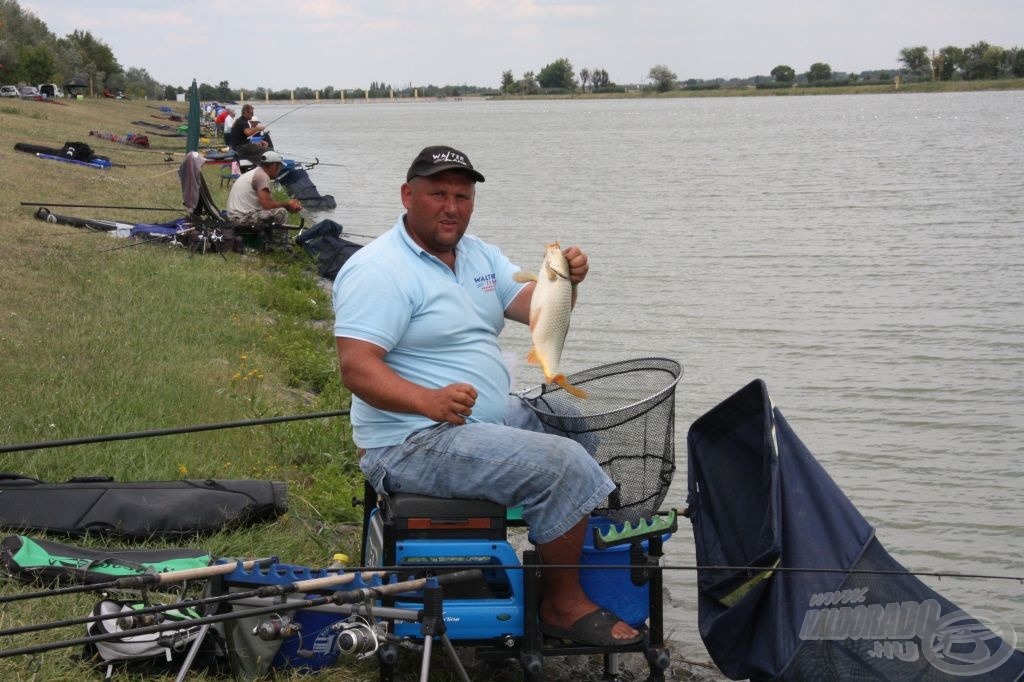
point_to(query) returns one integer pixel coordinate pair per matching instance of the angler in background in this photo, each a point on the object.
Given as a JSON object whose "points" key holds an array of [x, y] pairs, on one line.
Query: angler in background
{"points": [[418, 314], [243, 130], [225, 119], [250, 200]]}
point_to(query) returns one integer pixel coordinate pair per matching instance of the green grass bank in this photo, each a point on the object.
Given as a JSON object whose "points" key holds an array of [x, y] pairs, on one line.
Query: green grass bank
{"points": [[96, 339]]}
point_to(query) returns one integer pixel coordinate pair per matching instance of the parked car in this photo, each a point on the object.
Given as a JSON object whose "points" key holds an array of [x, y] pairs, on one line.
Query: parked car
{"points": [[50, 90], [9, 91], [28, 92]]}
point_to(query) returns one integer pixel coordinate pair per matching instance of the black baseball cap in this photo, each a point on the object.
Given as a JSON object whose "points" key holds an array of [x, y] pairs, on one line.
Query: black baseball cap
{"points": [[441, 158]]}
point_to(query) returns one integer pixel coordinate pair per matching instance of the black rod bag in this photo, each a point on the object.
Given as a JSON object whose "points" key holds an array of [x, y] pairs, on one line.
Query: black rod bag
{"points": [[137, 510]]}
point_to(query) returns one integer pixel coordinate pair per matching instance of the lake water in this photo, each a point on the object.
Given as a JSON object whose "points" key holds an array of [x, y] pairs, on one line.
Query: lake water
{"points": [[864, 255]]}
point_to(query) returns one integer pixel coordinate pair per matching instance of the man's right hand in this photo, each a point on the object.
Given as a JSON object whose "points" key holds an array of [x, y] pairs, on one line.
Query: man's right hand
{"points": [[451, 404]]}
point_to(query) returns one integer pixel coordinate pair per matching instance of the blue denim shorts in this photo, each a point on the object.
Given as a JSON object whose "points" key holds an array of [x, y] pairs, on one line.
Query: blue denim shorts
{"points": [[555, 480]]}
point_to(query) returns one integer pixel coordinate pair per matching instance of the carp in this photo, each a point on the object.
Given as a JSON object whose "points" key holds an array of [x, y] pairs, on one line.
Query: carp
{"points": [[550, 308]]}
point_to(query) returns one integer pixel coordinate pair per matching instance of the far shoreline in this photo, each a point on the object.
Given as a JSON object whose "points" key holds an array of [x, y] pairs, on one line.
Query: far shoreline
{"points": [[796, 91]]}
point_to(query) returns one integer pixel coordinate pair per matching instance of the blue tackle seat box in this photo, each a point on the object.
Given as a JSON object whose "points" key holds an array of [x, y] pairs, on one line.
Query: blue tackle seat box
{"points": [[430, 536]]}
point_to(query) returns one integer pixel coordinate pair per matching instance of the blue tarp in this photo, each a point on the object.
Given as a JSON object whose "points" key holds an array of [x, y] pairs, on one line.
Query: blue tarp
{"points": [[759, 500]]}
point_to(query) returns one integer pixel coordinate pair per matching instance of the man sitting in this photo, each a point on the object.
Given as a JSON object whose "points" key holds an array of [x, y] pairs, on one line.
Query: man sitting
{"points": [[244, 128], [250, 201]]}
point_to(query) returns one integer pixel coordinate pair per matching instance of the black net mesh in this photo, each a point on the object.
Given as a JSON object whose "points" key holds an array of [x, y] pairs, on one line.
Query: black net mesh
{"points": [[627, 422]]}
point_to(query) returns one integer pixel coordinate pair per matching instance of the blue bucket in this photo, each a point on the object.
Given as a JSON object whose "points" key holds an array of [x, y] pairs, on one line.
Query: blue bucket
{"points": [[612, 588]]}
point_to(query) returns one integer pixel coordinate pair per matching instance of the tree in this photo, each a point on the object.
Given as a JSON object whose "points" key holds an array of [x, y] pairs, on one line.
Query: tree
{"points": [[974, 65], [916, 59], [528, 84], [599, 79], [783, 74], [663, 77], [557, 74], [952, 59], [1015, 56], [819, 72], [508, 82], [38, 64], [584, 77]]}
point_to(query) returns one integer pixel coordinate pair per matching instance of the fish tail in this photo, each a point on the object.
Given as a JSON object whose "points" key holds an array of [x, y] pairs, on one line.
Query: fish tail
{"points": [[564, 383]]}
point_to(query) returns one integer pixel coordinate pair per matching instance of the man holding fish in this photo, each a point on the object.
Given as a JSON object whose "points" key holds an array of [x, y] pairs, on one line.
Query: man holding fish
{"points": [[418, 314]]}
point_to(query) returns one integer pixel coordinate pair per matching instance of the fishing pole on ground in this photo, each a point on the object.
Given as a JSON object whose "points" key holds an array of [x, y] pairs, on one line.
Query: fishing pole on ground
{"points": [[356, 596], [133, 208], [151, 240], [40, 445], [134, 582], [140, 617]]}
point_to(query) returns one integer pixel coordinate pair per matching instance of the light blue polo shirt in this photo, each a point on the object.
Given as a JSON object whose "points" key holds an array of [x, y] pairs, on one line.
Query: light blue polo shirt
{"points": [[438, 327]]}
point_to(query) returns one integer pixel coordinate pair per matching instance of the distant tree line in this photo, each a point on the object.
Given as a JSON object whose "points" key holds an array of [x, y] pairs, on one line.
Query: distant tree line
{"points": [[976, 62], [558, 77], [979, 61]]}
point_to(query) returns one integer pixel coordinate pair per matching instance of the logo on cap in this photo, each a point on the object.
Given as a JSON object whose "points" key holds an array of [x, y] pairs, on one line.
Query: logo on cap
{"points": [[451, 157]]}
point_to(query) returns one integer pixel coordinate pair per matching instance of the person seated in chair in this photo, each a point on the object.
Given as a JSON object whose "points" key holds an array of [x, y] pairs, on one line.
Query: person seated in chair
{"points": [[250, 201], [417, 316], [244, 128]]}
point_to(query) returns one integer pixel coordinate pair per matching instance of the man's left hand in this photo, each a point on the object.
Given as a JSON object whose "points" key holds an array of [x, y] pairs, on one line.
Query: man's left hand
{"points": [[579, 265]]}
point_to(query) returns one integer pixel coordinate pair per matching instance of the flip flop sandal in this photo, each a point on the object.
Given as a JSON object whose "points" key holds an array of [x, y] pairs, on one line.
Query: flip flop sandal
{"points": [[593, 629]]}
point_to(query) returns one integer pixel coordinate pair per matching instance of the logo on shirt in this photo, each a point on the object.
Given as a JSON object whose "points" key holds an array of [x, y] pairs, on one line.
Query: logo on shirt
{"points": [[486, 283]]}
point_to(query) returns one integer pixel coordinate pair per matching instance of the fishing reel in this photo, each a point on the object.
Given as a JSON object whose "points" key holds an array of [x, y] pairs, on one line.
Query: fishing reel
{"points": [[276, 627], [357, 637]]}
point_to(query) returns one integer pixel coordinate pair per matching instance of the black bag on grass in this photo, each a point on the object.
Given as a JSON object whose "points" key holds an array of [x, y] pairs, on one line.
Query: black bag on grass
{"points": [[137, 510], [79, 151], [323, 241]]}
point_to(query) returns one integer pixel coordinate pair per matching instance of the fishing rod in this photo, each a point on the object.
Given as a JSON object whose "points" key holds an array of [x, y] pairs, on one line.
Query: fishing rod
{"points": [[139, 617], [149, 240], [135, 582], [349, 597], [318, 162], [168, 431], [291, 111], [133, 208], [750, 570]]}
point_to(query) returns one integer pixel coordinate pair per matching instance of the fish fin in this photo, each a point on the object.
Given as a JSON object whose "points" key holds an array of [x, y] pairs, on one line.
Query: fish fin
{"points": [[532, 357], [524, 276], [564, 383]]}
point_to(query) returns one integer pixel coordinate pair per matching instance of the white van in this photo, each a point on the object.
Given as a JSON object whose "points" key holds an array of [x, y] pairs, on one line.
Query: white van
{"points": [[50, 90]]}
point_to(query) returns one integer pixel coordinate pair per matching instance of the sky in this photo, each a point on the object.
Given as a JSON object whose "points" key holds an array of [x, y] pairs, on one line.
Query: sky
{"points": [[350, 43]]}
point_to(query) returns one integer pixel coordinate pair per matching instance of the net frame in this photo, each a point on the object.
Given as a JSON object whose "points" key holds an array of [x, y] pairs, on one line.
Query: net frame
{"points": [[627, 422]]}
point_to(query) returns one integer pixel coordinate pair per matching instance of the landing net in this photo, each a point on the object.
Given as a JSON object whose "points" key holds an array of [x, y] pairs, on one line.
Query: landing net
{"points": [[626, 422]]}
